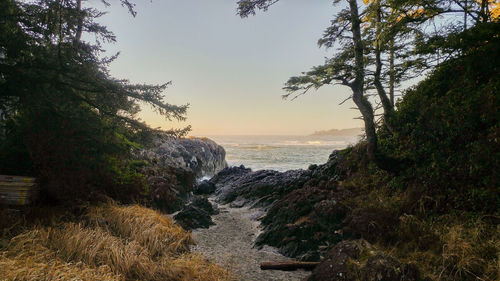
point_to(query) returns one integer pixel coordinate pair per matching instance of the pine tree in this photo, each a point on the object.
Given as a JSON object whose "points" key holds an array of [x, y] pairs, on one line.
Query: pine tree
{"points": [[65, 118]]}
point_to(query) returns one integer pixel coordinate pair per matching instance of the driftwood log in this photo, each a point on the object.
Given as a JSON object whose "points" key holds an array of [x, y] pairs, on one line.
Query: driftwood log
{"points": [[288, 265]]}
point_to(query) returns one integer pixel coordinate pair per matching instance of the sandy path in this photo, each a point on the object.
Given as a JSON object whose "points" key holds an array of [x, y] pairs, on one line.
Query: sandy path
{"points": [[230, 243]]}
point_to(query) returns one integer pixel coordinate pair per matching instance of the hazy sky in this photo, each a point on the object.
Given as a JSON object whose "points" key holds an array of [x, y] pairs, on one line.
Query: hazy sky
{"points": [[230, 70]]}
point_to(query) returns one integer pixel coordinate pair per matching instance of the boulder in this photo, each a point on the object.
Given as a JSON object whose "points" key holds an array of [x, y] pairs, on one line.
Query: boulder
{"points": [[336, 266], [201, 156], [229, 175], [304, 222], [174, 164], [197, 214], [205, 205], [204, 187]]}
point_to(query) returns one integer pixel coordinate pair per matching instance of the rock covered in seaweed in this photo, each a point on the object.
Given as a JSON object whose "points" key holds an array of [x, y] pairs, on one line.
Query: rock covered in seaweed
{"points": [[262, 187], [204, 187], [197, 214], [302, 216], [305, 221]]}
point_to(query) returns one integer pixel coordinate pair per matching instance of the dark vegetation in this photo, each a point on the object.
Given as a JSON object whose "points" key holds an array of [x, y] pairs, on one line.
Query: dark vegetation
{"points": [[63, 118], [438, 218], [448, 127]]}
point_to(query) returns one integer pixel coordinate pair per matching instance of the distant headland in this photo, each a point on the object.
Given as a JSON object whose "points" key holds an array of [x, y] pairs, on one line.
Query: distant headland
{"points": [[339, 132]]}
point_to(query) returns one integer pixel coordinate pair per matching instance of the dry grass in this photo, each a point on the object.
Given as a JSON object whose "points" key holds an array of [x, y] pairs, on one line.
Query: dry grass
{"points": [[151, 247], [455, 250], [97, 247], [149, 228], [196, 267], [450, 245], [27, 259], [471, 253]]}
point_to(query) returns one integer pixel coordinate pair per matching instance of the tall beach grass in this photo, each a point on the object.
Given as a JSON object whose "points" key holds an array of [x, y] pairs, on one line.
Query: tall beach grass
{"points": [[113, 243]]}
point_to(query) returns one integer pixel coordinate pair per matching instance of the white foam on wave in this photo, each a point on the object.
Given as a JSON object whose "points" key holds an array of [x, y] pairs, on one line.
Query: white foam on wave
{"points": [[280, 152], [203, 178]]}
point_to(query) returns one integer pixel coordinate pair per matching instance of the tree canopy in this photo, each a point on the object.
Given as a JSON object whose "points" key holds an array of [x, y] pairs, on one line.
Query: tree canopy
{"points": [[378, 45], [63, 114]]}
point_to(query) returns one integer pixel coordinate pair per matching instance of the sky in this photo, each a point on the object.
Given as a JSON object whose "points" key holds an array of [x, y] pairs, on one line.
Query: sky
{"points": [[230, 70]]}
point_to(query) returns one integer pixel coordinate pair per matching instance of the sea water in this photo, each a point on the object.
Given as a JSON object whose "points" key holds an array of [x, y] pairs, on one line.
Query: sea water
{"points": [[280, 153]]}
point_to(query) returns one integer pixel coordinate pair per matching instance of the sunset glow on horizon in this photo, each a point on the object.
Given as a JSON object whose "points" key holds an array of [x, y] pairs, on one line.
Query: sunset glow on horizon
{"points": [[230, 70]]}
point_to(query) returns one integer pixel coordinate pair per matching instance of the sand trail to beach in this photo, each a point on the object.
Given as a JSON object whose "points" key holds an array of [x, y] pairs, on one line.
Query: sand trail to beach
{"points": [[230, 242]]}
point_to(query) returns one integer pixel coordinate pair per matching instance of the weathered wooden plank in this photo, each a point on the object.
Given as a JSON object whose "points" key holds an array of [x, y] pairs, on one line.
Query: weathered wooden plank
{"points": [[16, 190], [16, 184], [9, 178]]}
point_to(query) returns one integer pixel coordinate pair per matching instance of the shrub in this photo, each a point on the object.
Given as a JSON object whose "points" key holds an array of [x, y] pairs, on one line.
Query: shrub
{"points": [[448, 127]]}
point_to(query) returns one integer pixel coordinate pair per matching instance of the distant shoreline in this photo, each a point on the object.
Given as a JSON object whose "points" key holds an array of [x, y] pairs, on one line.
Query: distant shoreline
{"points": [[350, 132], [337, 132]]}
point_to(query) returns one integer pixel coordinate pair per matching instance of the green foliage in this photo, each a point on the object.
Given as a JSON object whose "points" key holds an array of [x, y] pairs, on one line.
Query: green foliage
{"points": [[448, 126], [63, 117], [248, 7]]}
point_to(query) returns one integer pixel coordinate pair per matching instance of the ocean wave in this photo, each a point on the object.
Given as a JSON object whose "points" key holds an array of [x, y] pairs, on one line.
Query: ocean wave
{"points": [[280, 152], [314, 143], [258, 147], [231, 144]]}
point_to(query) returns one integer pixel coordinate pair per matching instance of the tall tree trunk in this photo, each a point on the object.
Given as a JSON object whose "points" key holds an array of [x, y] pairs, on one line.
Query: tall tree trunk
{"points": [[392, 74], [386, 102], [357, 85], [364, 106], [484, 10], [465, 15], [79, 28]]}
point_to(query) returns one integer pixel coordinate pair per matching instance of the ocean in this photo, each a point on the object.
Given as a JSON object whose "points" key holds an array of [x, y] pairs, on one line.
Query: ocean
{"points": [[280, 153]]}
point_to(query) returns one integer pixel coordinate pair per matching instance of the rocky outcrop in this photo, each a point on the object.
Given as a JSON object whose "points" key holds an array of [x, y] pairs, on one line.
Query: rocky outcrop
{"points": [[306, 209], [197, 214], [306, 221], [173, 165], [261, 188], [267, 186], [201, 156]]}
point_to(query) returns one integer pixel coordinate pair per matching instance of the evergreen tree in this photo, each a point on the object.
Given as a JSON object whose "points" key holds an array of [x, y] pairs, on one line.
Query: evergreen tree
{"points": [[377, 47], [64, 117]]}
